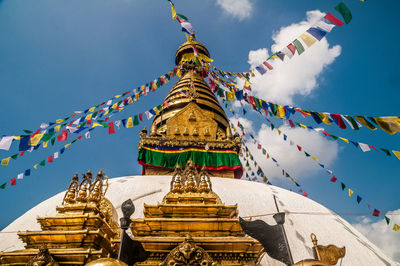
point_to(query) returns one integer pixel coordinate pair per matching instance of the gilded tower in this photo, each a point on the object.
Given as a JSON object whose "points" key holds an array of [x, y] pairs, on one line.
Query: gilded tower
{"points": [[192, 124]]}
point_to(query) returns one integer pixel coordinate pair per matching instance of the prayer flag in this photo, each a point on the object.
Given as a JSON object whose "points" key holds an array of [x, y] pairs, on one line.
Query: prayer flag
{"points": [[352, 122], [345, 140], [20, 176], [3, 186], [364, 147], [87, 135], [23, 143], [338, 119], [350, 192], [317, 33], [324, 26], [292, 48], [261, 70], [230, 96], [358, 199], [27, 172], [35, 139], [187, 27], [148, 115], [387, 220], [141, 117], [333, 19], [343, 185], [344, 11], [111, 129], [390, 124], [298, 147], [62, 136], [13, 181], [5, 142], [55, 155], [129, 123], [287, 52], [396, 227], [299, 46], [50, 159], [5, 161], [173, 10], [268, 65], [308, 39], [376, 213], [42, 163], [397, 154], [387, 152]]}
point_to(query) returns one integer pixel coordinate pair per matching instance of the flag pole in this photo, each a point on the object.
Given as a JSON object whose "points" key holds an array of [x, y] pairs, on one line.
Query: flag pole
{"points": [[280, 219]]}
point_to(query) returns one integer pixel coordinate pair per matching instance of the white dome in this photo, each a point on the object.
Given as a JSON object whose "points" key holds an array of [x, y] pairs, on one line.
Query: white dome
{"points": [[252, 199]]}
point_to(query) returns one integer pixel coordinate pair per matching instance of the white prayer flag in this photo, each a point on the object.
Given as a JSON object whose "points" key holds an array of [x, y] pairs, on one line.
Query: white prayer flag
{"points": [[43, 125], [109, 102], [364, 147], [20, 176], [5, 142], [55, 155], [117, 123], [87, 135], [76, 122], [148, 115], [324, 26], [287, 52]]}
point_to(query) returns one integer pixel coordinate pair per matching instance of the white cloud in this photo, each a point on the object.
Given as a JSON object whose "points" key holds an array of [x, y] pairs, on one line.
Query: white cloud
{"points": [[240, 9], [289, 157], [382, 234], [296, 76]]}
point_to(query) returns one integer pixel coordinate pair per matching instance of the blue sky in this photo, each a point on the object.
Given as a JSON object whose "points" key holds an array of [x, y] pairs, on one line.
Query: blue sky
{"points": [[61, 56]]}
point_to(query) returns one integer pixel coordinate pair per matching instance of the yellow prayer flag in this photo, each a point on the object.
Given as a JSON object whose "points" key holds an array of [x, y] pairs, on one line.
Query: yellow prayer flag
{"points": [[130, 100], [88, 117], [303, 126], [17, 137], [396, 227], [230, 96], [189, 40], [5, 161], [314, 158], [156, 110], [129, 123], [114, 106], [67, 145], [345, 140], [291, 178], [325, 119], [35, 166], [117, 96], [247, 132], [142, 87], [279, 132], [173, 10], [267, 155], [281, 111], [95, 124], [45, 144], [397, 153], [92, 109], [390, 124], [230, 109], [57, 128], [33, 141], [58, 121], [106, 112], [137, 95], [350, 192], [308, 39], [154, 86]]}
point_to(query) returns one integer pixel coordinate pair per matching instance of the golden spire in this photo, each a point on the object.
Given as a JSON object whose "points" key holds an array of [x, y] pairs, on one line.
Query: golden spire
{"points": [[191, 87]]}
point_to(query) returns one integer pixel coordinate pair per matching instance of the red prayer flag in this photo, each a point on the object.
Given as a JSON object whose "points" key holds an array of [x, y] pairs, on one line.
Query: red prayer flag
{"points": [[89, 122], [291, 123], [22, 153], [339, 120], [63, 135], [79, 137], [298, 147], [141, 116], [326, 134], [376, 213], [305, 194], [333, 19], [268, 65], [105, 120], [333, 179], [304, 114], [13, 181], [50, 159], [292, 48], [37, 132], [111, 128], [259, 146]]}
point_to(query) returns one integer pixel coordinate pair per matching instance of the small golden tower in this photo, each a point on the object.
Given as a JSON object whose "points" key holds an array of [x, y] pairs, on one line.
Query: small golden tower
{"points": [[192, 125]]}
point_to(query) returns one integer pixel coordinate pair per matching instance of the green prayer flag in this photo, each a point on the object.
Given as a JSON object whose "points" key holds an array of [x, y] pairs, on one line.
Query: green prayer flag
{"points": [[272, 126], [42, 163], [182, 16], [28, 131], [3, 186], [344, 11], [15, 156], [221, 92], [386, 151], [334, 137], [47, 136], [136, 120], [343, 185], [63, 125], [73, 141], [287, 175], [308, 155], [299, 46], [52, 141], [387, 220]]}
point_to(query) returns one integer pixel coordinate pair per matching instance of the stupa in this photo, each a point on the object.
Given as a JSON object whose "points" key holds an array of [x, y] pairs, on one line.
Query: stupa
{"points": [[187, 200]]}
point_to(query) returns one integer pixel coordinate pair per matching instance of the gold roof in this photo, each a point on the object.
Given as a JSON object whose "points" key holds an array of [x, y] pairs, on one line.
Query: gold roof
{"points": [[191, 87]]}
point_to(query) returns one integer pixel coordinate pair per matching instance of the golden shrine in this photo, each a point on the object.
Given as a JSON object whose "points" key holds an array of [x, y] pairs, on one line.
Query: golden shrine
{"points": [[191, 225]]}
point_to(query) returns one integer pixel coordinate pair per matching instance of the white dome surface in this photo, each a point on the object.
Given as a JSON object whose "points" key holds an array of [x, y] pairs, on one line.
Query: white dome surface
{"points": [[252, 199]]}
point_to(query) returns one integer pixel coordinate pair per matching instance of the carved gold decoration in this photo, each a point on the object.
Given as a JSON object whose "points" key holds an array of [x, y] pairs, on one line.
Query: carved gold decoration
{"points": [[43, 258], [188, 253], [329, 254]]}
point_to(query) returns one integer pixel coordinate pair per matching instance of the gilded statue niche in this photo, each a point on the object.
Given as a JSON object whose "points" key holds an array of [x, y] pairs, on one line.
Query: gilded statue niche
{"points": [[192, 121]]}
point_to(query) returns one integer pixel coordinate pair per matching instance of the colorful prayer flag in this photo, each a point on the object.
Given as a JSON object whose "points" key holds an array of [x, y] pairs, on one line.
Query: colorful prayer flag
{"points": [[5, 161], [5, 142], [13, 181], [344, 11], [308, 39], [316, 33], [333, 19], [376, 213], [299, 46]]}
